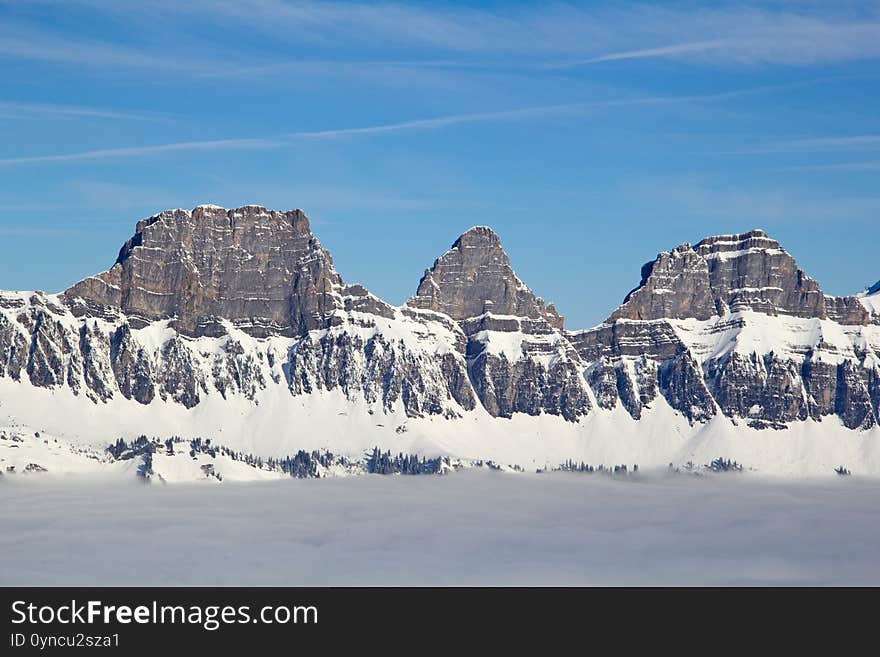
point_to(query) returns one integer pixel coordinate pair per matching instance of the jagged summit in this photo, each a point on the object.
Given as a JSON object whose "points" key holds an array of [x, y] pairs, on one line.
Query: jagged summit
{"points": [[474, 277], [260, 269], [476, 236], [725, 273], [756, 234]]}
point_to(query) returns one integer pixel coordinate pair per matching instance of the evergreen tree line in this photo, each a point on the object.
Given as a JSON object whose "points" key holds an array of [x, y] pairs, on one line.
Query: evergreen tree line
{"points": [[123, 451], [305, 465], [722, 465], [586, 468], [301, 465], [409, 464]]}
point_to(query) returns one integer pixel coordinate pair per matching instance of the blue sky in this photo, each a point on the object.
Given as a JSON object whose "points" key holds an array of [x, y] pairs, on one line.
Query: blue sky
{"points": [[589, 135]]}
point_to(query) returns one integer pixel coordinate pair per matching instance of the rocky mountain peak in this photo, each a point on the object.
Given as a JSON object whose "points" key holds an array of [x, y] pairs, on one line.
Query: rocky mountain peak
{"points": [[733, 272], [756, 238], [261, 269], [478, 237], [474, 278]]}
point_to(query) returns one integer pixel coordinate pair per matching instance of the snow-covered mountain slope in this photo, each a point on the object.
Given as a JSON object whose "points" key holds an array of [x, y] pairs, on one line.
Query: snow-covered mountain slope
{"points": [[870, 299], [235, 325]]}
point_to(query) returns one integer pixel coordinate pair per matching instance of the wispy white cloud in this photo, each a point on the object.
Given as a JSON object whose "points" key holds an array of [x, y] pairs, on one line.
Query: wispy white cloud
{"points": [[444, 121], [811, 145], [515, 36], [644, 53], [31, 110], [832, 143], [135, 151], [285, 139], [834, 166], [565, 109], [38, 45]]}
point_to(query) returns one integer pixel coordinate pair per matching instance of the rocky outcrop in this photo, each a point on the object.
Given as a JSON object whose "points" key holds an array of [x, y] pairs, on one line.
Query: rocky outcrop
{"points": [[474, 277], [728, 273], [681, 383], [675, 285], [380, 371], [237, 371], [762, 388], [519, 360], [132, 366], [262, 270], [94, 346], [13, 348]]}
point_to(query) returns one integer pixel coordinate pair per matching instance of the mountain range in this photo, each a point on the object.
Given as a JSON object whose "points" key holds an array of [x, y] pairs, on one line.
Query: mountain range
{"points": [[236, 324]]}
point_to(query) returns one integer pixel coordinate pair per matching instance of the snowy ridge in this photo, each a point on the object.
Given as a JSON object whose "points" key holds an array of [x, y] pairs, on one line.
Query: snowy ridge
{"points": [[870, 299]]}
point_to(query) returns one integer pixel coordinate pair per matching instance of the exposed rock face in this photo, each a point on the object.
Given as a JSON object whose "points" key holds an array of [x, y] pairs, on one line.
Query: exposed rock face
{"points": [[237, 371], [637, 384], [763, 388], [729, 273], [97, 368], [519, 361], [682, 385], [675, 285], [262, 270], [13, 348], [246, 302], [132, 366], [380, 371], [474, 277]]}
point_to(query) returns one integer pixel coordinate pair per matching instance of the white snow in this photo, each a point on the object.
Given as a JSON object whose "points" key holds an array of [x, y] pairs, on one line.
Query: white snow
{"points": [[729, 255], [871, 302], [748, 332], [281, 424]]}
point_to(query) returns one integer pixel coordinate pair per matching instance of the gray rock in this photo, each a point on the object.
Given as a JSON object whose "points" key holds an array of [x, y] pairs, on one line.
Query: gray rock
{"points": [[379, 370], [757, 387], [656, 340], [237, 371], [603, 379], [852, 401], [132, 366], [49, 350], [636, 381], [13, 349], [820, 383], [728, 273], [94, 347], [180, 378], [675, 285], [681, 383], [475, 277], [474, 284], [262, 270]]}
